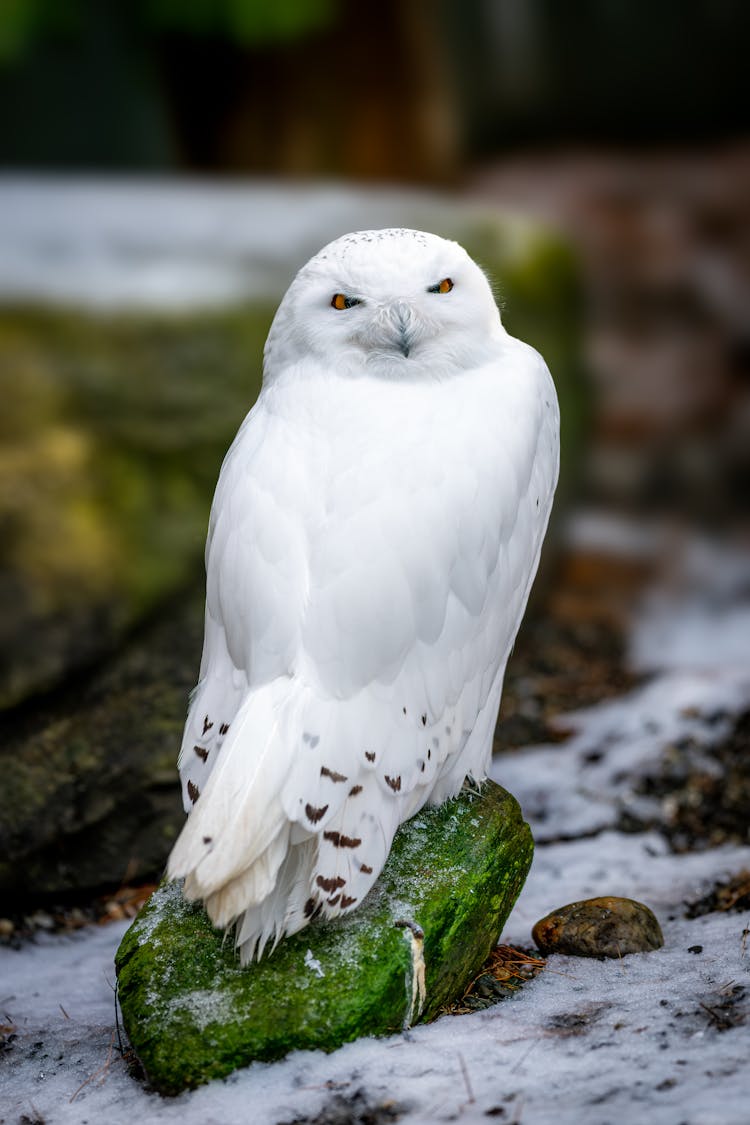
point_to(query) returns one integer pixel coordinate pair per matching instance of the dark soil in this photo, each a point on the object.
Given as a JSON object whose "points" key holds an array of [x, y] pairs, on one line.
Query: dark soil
{"points": [[570, 651], [728, 1009], [352, 1109], [506, 970], [704, 792], [731, 894]]}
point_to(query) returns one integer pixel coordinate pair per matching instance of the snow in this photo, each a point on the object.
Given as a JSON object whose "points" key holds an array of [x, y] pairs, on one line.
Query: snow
{"points": [[311, 962], [175, 245], [586, 1041], [682, 631]]}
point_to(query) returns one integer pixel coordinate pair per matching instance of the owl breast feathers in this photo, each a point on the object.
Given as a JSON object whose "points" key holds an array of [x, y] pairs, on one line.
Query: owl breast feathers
{"points": [[373, 538]]}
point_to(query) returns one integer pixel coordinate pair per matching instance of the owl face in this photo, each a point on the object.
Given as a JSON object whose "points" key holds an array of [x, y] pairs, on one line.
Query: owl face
{"points": [[395, 303]]}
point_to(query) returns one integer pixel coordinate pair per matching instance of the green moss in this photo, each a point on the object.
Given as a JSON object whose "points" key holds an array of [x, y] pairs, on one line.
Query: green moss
{"points": [[193, 1013], [113, 432], [538, 288]]}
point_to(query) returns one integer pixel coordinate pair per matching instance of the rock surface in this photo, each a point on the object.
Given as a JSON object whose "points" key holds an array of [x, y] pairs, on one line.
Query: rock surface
{"points": [[599, 927], [90, 798], [193, 1013], [110, 444]]}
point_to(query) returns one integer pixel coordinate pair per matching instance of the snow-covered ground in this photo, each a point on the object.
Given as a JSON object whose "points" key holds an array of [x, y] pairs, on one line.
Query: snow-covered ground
{"points": [[662, 1037]]}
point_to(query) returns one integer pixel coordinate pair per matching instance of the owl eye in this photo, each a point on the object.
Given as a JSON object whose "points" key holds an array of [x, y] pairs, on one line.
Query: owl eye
{"points": [[341, 301], [443, 286]]}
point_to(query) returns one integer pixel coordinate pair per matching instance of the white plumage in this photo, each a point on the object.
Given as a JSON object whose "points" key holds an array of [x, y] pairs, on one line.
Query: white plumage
{"points": [[373, 538]]}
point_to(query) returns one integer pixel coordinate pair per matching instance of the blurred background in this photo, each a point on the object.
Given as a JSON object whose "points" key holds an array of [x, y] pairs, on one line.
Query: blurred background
{"points": [[167, 166]]}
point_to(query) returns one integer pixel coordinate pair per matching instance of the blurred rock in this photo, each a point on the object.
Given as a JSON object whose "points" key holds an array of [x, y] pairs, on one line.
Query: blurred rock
{"points": [[666, 274], [90, 797], [113, 431], [599, 927]]}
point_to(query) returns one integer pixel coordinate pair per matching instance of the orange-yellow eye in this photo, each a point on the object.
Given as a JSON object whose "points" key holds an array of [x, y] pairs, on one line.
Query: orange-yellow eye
{"points": [[341, 301], [443, 286]]}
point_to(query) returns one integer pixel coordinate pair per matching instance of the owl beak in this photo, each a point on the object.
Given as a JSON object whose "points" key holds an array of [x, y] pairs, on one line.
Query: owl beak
{"points": [[403, 323], [394, 328]]}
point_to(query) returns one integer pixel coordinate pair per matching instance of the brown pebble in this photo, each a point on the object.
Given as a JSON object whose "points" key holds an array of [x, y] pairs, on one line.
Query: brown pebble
{"points": [[599, 927]]}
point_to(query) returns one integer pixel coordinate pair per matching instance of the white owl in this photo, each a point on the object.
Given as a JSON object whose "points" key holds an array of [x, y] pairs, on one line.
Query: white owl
{"points": [[373, 538]]}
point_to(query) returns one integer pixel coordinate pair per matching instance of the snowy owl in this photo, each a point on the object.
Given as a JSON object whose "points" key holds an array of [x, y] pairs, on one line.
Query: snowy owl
{"points": [[373, 538]]}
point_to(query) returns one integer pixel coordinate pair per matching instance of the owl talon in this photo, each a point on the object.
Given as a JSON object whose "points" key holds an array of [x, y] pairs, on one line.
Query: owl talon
{"points": [[418, 988]]}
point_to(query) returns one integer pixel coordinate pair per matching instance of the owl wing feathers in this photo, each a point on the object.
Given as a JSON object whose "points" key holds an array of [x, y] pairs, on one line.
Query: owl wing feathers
{"points": [[362, 597]]}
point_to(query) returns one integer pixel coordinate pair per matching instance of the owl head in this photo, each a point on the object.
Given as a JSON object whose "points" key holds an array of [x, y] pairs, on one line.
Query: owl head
{"points": [[399, 304]]}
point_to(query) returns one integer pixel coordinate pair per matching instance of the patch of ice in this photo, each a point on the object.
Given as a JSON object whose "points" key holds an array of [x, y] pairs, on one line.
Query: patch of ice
{"points": [[207, 1006], [313, 963], [146, 923], [700, 617]]}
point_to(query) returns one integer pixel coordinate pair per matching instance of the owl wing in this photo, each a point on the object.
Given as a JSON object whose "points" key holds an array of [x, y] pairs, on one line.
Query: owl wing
{"points": [[255, 576], [366, 587]]}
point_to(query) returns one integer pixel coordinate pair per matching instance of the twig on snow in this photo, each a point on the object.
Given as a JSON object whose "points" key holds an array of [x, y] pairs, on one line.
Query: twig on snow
{"points": [[103, 1069]]}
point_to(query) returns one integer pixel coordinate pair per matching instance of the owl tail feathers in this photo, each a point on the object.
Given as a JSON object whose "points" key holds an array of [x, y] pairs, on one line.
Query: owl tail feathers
{"points": [[236, 838], [275, 917]]}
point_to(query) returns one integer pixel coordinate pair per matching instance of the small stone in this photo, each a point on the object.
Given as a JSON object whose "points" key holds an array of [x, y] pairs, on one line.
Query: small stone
{"points": [[6, 927], [599, 927]]}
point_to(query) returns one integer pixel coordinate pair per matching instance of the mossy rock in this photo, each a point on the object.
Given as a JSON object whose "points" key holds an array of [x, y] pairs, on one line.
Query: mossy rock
{"points": [[193, 1013], [90, 796], [110, 447]]}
